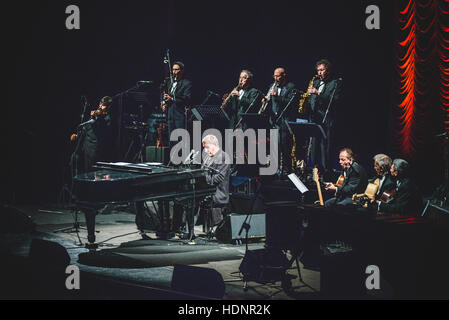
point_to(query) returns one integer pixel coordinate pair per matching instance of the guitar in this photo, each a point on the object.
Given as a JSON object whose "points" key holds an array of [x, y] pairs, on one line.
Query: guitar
{"points": [[339, 183], [370, 193], [388, 196], [318, 185]]}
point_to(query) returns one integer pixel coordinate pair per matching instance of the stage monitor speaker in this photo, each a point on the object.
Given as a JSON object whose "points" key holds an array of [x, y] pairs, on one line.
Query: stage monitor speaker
{"points": [[229, 230], [198, 282], [435, 212], [49, 261], [245, 204], [15, 221]]}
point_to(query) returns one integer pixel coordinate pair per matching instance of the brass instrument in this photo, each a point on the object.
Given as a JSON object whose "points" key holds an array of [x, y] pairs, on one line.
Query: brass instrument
{"points": [[293, 154], [228, 98], [267, 99], [305, 95], [303, 99]]}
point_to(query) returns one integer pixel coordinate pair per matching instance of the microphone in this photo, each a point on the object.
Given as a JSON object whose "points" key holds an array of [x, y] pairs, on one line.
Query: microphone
{"points": [[340, 79], [145, 82], [211, 93], [195, 155], [189, 157]]}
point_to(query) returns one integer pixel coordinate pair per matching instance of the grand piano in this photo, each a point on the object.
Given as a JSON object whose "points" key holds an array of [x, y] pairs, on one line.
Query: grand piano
{"points": [[116, 183]]}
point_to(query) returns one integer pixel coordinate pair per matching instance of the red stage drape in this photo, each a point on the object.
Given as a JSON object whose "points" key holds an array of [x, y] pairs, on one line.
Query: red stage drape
{"points": [[423, 61]]}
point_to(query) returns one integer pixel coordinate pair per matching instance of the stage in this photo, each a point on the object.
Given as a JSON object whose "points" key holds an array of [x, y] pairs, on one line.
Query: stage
{"points": [[131, 268]]}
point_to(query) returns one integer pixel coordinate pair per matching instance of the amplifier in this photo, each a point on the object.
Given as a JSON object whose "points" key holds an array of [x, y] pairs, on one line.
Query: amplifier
{"points": [[228, 231]]}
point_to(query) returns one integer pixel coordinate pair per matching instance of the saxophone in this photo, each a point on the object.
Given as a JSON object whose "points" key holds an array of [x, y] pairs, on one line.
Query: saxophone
{"points": [[303, 99], [305, 95], [228, 98]]}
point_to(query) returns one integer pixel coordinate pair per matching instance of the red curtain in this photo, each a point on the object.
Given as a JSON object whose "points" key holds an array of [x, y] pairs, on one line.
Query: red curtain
{"points": [[423, 61]]}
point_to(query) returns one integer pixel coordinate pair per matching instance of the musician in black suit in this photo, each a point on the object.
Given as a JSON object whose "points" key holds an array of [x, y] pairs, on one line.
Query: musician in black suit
{"points": [[282, 94], [177, 98], [325, 94], [355, 180], [219, 164], [96, 136], [382, 166], [407, 200], [245, 99]]}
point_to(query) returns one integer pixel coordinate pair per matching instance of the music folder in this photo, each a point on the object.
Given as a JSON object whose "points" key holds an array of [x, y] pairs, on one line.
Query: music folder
{"points": [[298, 183]]}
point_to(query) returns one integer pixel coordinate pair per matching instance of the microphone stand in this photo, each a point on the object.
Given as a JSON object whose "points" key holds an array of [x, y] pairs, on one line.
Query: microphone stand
{"points": [[247, 110], [324, 122], [330, 103], [286, 107]]}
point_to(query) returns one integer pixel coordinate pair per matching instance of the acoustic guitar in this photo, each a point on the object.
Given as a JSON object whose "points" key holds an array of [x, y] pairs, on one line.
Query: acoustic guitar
{"points": [[370, 193], [318, 185]]}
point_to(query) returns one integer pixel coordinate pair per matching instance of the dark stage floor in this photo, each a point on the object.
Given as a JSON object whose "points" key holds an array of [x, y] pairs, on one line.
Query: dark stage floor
{"points": [[127, 267], [132, 268]]}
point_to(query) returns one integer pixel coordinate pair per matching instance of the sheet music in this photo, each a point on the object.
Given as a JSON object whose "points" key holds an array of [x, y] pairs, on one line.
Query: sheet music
{"points": [[298, 183]]}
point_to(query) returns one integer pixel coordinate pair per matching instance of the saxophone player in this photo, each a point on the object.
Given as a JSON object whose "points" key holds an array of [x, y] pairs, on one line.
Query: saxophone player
{"points": [[324, 96]]}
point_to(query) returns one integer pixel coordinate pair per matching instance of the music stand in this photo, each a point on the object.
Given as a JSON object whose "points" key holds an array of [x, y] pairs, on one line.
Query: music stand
{"points": [[306, 129], [212, 115], [256, 121], [309, 129]]}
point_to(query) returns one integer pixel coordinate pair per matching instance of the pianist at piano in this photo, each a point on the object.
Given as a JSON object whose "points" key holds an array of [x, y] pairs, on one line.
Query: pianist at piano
{"points": [[220, 164]]}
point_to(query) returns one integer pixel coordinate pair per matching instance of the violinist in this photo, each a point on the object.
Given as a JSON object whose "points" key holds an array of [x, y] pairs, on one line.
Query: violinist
{"points": [[95, 137]]}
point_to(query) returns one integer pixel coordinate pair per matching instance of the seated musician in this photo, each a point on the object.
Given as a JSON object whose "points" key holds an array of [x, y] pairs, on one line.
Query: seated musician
{"points": [[382, 166], [219, 163], [407, 199], [355, 180]]}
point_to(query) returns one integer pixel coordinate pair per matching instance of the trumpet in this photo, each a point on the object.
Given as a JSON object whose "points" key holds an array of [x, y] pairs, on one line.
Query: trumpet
{"points": [[229, 97], [267, 99]]}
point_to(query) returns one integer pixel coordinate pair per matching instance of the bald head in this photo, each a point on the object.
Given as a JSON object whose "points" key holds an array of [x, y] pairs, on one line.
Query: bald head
{"points": [[280, 76]]}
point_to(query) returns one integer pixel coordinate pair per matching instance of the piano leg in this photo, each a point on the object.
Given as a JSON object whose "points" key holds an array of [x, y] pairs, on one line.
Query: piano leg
{"points": [[90, 224]]}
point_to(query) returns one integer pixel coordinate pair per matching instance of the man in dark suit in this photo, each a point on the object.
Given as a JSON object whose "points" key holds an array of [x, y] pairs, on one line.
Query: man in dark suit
{"points": [[355, 180], [382, 166], [282, 95], [244, 99], [325, 94], [96, 136], [177, 98], [219, 164], [407, 200]]}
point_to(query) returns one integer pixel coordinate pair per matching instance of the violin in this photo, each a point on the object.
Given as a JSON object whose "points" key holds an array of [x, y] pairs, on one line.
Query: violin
{"points": [[100, 112]]}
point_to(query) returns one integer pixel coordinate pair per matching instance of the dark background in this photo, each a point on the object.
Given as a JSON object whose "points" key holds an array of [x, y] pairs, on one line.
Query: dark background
{"points": [[49, 68]]}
